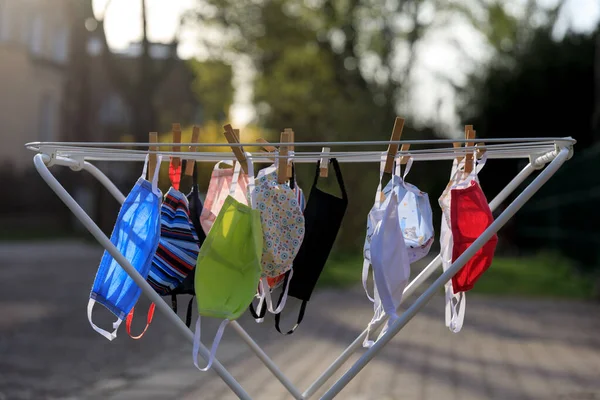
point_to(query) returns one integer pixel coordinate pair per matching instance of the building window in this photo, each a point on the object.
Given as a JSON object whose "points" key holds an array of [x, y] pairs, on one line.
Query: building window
{"points": [[60, 44], [36, 43], [114, 111], [48, 118]]}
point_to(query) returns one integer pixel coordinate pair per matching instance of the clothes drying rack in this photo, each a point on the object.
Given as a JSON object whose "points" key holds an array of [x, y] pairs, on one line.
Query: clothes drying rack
{"points": [[545, 155]]}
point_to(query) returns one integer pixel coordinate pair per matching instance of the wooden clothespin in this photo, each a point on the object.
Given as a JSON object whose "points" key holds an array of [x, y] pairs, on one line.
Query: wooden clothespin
{"points": [[152, 138], [282, 161], [290, 148], [189, 166], [176, 131], [404, 159], [324, 165], [267, 147], [457, 145], [480, 149], [238, 151], [469, 135], [393, 147]]}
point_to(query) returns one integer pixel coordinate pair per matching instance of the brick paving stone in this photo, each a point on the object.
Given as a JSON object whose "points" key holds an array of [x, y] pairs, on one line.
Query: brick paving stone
{"points": [[509, 348]]}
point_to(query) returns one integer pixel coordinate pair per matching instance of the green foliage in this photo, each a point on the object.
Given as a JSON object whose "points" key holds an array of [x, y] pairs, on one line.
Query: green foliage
{"points": [[213, 88], [544, 275]]}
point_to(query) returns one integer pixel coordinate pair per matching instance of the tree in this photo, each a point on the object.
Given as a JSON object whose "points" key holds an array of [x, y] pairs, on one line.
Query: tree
{"points": [[138, 89]]}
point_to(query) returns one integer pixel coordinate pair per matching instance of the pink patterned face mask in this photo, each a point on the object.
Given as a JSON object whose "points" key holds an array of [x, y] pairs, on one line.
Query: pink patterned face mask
{"points": [[223, 183]]}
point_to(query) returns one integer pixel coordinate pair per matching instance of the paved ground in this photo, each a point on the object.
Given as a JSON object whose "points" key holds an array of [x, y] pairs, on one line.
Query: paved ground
{"points": [[508, 349]]}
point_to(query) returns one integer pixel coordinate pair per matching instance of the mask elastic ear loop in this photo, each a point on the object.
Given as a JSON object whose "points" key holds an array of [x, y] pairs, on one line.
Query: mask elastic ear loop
{"points": [[379, 187], [267, 294], [215, 345], [148, 321], [251, 183], [155, 177], [109, 335], [145, 168], [234, 178]]}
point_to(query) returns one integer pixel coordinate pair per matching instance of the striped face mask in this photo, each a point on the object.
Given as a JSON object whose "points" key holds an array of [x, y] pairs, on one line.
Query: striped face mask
{"points": [[177, 250]]}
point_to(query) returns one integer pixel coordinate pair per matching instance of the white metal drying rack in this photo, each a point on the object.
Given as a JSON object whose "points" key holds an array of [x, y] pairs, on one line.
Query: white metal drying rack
{"points": [[544, 154]]}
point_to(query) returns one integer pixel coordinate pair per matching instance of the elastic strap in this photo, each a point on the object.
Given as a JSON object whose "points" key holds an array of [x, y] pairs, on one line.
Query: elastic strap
{"points": [[293, 178], [455, 310], [156, 173], [298, 321], [148, 321], [260, 315], [188, 315], [377, 316], [381, 171], [300, 313], [365, 276], [250, 186], [213, 349], [227, 162], [174, 303], [267, 294], [338, 176], [106, 334], [234, 179], [145, 168]]}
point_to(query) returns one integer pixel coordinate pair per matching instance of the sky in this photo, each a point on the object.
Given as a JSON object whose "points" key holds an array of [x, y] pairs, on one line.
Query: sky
{"points": [[435, 100]]}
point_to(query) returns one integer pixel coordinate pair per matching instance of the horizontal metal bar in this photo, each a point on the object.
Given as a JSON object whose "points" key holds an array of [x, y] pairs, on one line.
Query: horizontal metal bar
{"points": [[298, 157], [566, 141]]}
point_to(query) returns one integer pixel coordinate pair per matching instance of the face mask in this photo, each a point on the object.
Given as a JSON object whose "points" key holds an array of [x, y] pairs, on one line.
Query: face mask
{"points": [[195, 205], [228, 268], [177, 249], [323, 217], [470, 217], [283, 231], [415, 215], [223, 183], [276, 281], [373, 219], [135, 235], [455, 304], [391, 265], [455, 300]]}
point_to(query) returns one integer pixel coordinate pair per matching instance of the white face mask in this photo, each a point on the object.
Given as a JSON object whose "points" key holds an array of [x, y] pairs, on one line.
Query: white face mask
{"points": [[416, 217], [456, 304], [389, 259]]}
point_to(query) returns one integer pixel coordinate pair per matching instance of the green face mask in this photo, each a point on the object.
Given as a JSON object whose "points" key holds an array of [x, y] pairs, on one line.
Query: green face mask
{"points": [[228, 267]]}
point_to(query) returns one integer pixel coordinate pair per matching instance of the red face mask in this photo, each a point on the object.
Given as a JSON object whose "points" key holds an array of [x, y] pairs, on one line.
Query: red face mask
{"points": [[470, 216]]}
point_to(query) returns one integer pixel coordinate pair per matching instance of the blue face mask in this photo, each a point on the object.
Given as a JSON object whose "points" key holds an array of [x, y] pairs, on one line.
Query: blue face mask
{"points": [[135, 235]]}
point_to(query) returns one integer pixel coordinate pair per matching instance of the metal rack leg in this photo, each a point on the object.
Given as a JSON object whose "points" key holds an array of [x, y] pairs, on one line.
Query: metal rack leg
{"points": [[131, 271], [410, 289], [508, 213]]}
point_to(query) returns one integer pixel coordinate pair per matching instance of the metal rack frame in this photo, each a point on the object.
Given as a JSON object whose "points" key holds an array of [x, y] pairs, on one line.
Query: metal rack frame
{"points": [[544, 154]]}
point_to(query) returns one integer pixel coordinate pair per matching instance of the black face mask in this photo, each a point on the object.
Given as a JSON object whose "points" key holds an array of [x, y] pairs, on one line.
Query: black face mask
{"points": [[323, 217], [187, 286]]}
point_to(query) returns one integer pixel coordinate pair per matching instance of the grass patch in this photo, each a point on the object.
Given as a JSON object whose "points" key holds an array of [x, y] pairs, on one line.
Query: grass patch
{"points": [[341, 271], [543, 275]]}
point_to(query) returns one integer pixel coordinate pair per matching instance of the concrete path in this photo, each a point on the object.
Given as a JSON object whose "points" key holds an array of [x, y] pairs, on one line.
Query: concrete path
{"points": [[508, 349]]}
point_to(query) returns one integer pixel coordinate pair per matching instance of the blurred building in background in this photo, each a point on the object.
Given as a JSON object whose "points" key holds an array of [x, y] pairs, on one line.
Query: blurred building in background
{"points": [[57, 83], [34, 55]]}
